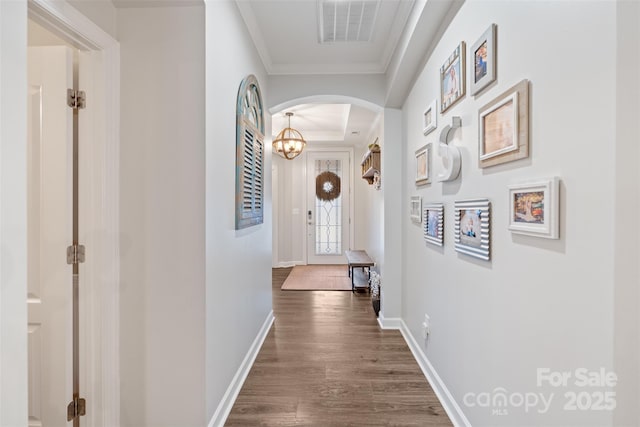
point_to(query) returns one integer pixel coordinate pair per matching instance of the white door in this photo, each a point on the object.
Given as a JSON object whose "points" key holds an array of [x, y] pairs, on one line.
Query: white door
{"points": [[50, 175], [328, 195]]}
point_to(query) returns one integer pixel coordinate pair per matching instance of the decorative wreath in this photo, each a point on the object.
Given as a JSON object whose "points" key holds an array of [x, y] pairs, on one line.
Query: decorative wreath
{"points": [[327, 186]]}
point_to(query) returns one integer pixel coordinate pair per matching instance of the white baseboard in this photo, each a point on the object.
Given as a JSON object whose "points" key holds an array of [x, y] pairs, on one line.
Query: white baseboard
{"points": [[451, 407], [389, 322], [224, 408], [288, 264]]}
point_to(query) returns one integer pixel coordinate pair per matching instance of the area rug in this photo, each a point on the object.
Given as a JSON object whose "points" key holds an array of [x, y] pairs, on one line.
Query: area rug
{"points": [[318, 278]]}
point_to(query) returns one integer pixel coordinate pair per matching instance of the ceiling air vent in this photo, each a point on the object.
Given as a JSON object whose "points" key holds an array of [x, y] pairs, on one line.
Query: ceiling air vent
{"points": [[346, 21]]}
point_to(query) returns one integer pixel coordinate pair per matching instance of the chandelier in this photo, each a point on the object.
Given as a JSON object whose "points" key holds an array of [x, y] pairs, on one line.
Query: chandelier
{"points": [[289, 143]]}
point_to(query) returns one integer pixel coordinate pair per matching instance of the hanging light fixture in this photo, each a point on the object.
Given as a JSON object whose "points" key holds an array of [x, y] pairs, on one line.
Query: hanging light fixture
{"points": [[289, 143]]}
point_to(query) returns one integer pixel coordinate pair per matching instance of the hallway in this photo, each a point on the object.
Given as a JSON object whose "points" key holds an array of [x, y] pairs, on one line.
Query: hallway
{"points": [[326, 362]]}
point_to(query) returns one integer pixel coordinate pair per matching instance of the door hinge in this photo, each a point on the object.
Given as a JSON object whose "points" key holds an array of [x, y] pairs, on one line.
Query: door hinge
{"points": [[77, 408], [76, 99], [75, 254]]}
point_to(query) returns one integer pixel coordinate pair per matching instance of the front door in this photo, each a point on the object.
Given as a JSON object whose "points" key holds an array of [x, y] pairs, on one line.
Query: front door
{"points": [[49, 229], [328, 196]]}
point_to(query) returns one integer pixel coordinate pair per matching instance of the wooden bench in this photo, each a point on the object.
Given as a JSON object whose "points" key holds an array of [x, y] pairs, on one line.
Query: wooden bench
{"points": [[359, 259]]}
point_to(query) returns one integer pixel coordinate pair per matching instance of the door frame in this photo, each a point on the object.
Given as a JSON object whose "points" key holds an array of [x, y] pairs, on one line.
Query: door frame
{"points": [[339, 149], [99, 209]]}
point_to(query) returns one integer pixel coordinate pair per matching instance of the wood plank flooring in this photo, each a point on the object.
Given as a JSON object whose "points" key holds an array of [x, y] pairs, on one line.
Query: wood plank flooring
{"points": [[326, 362]]}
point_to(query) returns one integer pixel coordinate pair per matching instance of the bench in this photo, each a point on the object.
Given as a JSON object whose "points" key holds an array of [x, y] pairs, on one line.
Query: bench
{"points": [[359, 259]]}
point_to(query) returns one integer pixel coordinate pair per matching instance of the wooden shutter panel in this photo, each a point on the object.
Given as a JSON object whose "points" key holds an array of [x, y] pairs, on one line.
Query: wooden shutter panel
{"points": [[249, 155]]}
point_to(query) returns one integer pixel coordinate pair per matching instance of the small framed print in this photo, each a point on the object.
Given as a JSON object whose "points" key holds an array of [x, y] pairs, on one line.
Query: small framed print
{"points": [[452, 78], [430, 118], [415, 208], [483, 60], [533, 208], [423, 165], [503, 127], [432, 223], [472, 227]]}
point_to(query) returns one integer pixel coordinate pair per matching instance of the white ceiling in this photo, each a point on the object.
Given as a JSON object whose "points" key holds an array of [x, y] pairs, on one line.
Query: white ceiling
{"points": [[291, 37], [328, 123], [287, 33]]}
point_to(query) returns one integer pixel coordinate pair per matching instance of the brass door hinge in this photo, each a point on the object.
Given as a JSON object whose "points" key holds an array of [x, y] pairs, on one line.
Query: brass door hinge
{"points": [[77, 408]]}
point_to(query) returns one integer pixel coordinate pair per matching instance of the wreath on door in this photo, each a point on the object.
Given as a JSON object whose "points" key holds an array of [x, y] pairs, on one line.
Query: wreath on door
{"points": [[327, 186]]}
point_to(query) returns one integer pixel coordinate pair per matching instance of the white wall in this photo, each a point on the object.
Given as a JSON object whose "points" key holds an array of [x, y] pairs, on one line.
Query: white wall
{"points": [[368, 88], [238, 263], [627, 195], [101, 12], [291, 184], [390, 263], [162, 216], [13, 213], [369, 207], [538, 303]]}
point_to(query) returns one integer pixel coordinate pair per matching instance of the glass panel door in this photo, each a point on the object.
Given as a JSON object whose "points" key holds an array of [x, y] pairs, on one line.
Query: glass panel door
{"points": [[327, 207]]}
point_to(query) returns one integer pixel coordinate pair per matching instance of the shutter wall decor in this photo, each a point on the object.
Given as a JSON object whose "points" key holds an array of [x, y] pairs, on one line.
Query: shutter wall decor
{"points": [[249, 154]]}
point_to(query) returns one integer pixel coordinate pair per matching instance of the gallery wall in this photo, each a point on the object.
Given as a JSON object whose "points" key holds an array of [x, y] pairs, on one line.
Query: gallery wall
{"points": [[538, 303], [162, 216]]}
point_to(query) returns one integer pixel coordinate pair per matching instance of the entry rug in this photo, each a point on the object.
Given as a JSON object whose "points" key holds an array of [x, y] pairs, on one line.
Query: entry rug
{"points": [[318, 278]]}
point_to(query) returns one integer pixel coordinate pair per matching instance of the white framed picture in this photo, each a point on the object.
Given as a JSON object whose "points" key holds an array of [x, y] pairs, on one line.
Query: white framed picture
{"points": [[430, 118], [415, 209], [533, 208]]}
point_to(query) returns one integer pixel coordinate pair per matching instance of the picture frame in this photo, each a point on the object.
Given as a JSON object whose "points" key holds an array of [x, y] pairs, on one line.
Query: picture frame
{"points": [[503, 127], [534, 208], [415, 209], [423, 165], [453, 78], [472, 227], [483, 63], [433, 223], [430, 118]]}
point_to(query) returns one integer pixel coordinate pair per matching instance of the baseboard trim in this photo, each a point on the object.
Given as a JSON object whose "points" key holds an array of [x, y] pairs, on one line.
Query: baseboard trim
{"points": [[289, 264], [390, 322], [451, 407], [229, 398]]}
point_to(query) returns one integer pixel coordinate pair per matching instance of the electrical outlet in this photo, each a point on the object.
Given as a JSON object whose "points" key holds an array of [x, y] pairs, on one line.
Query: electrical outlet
{"points": [[426, 326]]}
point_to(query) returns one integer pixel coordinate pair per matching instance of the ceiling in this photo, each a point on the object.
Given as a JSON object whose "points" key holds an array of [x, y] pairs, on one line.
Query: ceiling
{"points": [[290, 34], [329, 123], [326, 37]]}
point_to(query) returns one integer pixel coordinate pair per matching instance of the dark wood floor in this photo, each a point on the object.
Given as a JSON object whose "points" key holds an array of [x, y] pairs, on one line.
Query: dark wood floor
{"points": [[326, 362]]}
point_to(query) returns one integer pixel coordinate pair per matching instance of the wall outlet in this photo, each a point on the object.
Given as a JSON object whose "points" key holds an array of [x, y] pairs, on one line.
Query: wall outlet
{"points": [[426, 327]]}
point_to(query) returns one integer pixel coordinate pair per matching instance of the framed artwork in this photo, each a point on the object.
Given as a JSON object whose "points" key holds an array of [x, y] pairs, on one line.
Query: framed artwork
{"points": [[533, 208], [472, 227], [433, 223], [452, 78], [430, 118], [415, 208], [504, 127], [423, 165], [483, 60]]}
